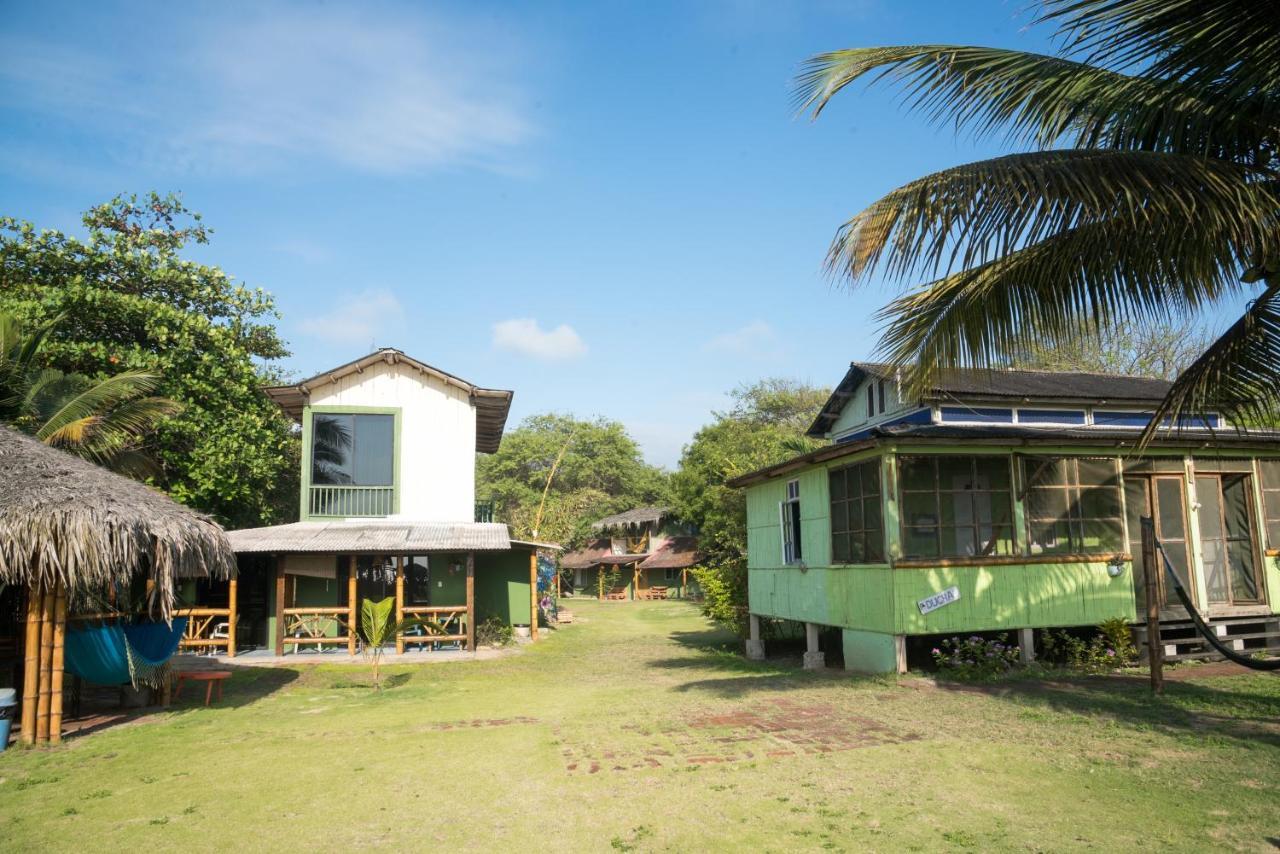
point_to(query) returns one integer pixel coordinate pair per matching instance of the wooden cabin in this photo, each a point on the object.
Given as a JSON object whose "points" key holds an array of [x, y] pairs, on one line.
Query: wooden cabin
{"points": [[642, 553], [1010, 501], [388, 509]]}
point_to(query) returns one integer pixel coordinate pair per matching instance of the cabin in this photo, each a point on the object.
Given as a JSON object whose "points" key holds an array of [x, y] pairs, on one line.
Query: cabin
{"points": [[387, 509], [642, 553], [1009, 501]]}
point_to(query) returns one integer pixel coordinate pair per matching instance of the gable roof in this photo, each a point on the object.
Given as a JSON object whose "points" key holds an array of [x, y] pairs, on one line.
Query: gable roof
{"points": [[1001, 384], [492, 404], [634, 516]]}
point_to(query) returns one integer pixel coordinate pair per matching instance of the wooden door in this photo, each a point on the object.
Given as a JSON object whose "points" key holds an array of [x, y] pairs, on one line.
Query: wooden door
{"points": [[1163, 498], [1228, 548]]}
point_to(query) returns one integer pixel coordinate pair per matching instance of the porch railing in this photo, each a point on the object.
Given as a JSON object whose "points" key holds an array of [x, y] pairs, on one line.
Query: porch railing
{"points": [[343, 500], [484, 511], [439, 624], [208, 629], [312, 626]]}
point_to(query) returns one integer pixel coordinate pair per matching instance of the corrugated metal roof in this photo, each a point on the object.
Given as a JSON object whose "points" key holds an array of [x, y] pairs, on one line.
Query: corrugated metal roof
{"points": [[634, 516], [382, 537]]}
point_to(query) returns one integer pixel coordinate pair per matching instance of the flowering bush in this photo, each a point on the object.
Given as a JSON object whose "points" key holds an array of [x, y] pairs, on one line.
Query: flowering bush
{"points": [[975, 657], [1111, 647]]}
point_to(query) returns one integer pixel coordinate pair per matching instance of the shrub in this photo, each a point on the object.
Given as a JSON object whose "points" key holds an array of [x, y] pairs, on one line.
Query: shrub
{"points": [[1111, 646], [494, 631], [976, 657], [724, 595]]}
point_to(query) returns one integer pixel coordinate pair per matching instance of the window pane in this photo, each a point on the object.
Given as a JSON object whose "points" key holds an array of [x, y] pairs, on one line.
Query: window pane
{"points": [[1210, 507], [1273, 504], [955, 473], [917, 473], [871, 513], [920, 542], [959, 542], [1172, 523], [1050, 537], [995, 540], [854, 515], [920, 508], [870, 473], [1047, 504], [1244, 583], [857, 547], [1100, 502], [331, 440], [1102, 535], [374, 439], [875, 547], [993, 472], [1045, 471], [1097, 473], [836, 480], [1270, 473], [1273, 533], [840, 548], [1235, 507]]}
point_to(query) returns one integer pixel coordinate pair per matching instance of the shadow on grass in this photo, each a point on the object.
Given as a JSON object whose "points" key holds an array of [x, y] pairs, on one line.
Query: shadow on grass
{"points": [[1186, 707]]}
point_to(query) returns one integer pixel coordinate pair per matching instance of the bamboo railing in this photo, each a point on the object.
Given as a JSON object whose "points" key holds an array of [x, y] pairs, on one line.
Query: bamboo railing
{"points": [[310, 626], [452, 618]]}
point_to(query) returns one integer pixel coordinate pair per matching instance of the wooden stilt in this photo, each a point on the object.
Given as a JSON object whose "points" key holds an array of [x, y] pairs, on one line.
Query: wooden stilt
{"points": [[280, 606], [533, 595], [471, 601], [31, 666], [352, 606], [232, 617], [46, 665], [59, 648], [399, 603]]}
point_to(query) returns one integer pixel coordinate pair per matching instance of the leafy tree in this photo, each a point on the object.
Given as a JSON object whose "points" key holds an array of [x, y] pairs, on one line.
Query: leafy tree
{"points": [[765, 426], [104, 421], [1159, 350], [132, 303], [1150, 194], [600, 471]]}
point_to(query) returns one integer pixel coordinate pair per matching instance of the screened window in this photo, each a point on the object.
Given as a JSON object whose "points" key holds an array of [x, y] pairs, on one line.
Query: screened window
{"points": [[1073, 505], [880, 394], [956, 507], [1271, 500], [790, 512], [857, 532], [352, 449], [871, 400]]}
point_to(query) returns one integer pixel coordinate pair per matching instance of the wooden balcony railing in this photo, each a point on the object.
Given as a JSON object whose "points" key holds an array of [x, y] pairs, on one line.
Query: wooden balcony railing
{"points": [[343, 500], [484, 511]]}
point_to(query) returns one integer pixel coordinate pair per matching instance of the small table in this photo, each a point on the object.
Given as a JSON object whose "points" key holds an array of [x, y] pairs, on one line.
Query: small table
{"points": [[210, 677]]}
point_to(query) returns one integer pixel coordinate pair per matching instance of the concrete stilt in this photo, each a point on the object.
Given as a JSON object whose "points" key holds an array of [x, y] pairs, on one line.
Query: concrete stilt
{"points": [[814, 659], [1026, 645], [755, 646]]}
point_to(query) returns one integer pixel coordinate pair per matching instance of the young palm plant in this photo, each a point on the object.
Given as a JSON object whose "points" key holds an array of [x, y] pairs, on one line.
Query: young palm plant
{"points": [[102, 420], [379, 629], [1151, 193]]}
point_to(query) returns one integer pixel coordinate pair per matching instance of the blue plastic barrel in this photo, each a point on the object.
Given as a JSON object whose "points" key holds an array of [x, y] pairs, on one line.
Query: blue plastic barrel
{"points": [[8, 702]]}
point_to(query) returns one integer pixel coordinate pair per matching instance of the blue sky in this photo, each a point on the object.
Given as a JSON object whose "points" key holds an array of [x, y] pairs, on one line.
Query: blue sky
{"points": [[607, 207]]}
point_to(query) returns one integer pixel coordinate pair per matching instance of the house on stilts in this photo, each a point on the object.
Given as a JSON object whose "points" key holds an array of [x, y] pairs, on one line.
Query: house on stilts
{"points": [[642, 553], [1010, 501], [388, 509]]}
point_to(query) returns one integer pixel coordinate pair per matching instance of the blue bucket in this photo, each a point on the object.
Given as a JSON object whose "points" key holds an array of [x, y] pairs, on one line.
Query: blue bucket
{"points": [[5, 723]]}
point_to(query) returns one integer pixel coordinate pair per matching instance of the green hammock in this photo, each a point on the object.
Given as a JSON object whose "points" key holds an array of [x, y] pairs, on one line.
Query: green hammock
{"points": [[115, 653]]}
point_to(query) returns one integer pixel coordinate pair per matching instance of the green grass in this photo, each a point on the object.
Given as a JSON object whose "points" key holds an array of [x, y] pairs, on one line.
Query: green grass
{"points": [[637, 729]]}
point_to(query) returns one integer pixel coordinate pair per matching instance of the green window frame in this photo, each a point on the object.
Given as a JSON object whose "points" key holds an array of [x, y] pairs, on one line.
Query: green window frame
{"points": [[857, 525], [1270, 480], [956, 506], [308, 434], [1073, 505]]}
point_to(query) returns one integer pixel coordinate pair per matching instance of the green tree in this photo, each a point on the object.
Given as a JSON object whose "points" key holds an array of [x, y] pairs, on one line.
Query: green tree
{"points": [[600, 472], [133, 303], [1159, 350], [104, 420], [766, 425], [1150, 194]]}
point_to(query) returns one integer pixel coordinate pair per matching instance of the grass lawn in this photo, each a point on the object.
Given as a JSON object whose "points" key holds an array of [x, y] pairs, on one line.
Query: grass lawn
{"points": [[636, 729]]}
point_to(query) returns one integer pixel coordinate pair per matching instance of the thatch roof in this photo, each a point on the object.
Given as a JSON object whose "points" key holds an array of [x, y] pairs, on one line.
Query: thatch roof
{"points": [[65, 519], [635, 516], [589, 555], [372, 536]]}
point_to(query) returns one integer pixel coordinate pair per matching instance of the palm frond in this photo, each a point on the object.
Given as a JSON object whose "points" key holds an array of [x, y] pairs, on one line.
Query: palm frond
{"points": [[1238, 375], [968, 215], [95, 397], [1092, 277], [1039, 99]]}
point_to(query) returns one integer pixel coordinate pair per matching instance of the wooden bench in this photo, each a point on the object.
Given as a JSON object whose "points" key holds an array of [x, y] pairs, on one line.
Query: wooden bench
{"points": [[209, 677], [654, 593]]}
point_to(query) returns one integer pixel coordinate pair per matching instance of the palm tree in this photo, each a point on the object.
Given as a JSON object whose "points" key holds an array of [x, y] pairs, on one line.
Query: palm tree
{"points": [[102, 420], [1150, 193]]}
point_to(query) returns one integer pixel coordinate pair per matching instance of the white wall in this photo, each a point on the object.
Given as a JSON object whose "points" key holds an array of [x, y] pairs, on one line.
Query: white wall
{"points": [[853, 416], [437, 474]]}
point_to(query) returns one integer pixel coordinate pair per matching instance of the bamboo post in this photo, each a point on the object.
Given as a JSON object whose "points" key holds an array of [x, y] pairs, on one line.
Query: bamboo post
{"points": [[533, 595], [684, 584], [1151, 571], [232, 617], [471, 601], [351, 606], [46, 666], [31, 666], [399, 603], [59, 652], [635, 581], [280, 607]]}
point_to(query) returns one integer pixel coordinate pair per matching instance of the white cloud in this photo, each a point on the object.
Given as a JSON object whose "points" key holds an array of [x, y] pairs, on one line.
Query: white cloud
{"points": [[744, 340], [370, 319], [525, 336], [247, 90]]}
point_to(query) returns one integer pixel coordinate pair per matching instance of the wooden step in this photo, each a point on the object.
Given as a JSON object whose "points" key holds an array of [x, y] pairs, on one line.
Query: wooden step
{"points": [[1182, 640]]}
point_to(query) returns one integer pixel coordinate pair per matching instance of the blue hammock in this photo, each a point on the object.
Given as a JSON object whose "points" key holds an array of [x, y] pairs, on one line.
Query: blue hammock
{"points": [[116, 653]]}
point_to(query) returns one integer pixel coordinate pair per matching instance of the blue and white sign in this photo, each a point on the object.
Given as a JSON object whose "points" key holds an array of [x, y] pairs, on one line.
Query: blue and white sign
{"points": [[937, 600]]}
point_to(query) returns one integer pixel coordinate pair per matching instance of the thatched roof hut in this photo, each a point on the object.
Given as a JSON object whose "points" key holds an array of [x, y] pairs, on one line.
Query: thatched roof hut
{"points": [[63, 519]]}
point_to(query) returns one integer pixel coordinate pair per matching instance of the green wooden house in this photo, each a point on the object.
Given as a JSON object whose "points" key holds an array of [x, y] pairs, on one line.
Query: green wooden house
{"points": [[1009, 501]]}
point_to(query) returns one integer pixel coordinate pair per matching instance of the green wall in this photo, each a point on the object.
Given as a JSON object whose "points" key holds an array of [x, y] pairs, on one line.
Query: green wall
{"points": [[502, 586]]}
